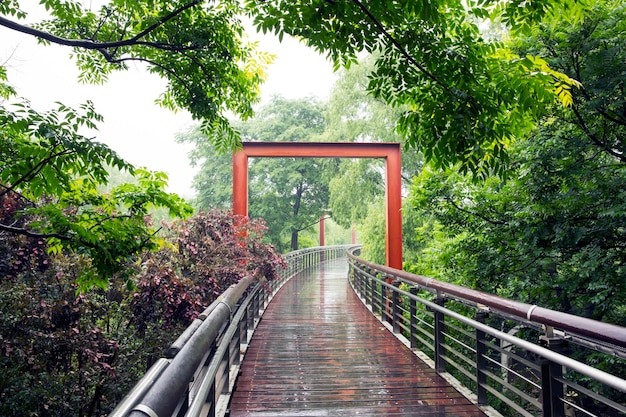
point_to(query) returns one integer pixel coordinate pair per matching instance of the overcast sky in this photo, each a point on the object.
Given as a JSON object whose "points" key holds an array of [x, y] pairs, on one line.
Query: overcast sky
{"points": [[134, 126]]}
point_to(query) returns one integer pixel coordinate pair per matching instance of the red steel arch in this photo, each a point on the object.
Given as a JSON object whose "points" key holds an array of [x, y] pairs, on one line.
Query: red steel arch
{"points": [[393, 190]]}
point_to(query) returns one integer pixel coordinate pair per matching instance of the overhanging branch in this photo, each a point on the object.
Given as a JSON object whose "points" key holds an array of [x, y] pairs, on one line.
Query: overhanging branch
{"points": [[399, 47], [29, 233], [93, 45]]}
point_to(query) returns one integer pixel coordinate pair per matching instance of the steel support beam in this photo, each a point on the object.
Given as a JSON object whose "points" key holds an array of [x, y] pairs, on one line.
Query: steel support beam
{"points": [[388, 151]]}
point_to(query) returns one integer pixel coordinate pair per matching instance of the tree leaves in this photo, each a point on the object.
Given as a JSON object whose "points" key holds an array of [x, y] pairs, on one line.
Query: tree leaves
{"points": [[464, 99], [46, 162], [197, 48], [551, 233]]}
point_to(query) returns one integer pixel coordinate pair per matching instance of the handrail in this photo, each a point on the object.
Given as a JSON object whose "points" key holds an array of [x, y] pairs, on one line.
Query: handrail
{"points": [[174, 380], [502, 368], [582, 326], [196, 369]]}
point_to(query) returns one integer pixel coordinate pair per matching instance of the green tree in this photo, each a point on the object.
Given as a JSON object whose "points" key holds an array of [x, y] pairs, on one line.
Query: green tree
{"points": [[553, 233], [462, 98], [196, 46], [357, 187], [354, 116], [214, 182], [289, 193], [56, 172], [46, 159]]}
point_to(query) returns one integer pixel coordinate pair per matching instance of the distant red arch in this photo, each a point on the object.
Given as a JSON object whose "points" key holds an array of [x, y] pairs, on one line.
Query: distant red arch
{"points": [[393, 190]]}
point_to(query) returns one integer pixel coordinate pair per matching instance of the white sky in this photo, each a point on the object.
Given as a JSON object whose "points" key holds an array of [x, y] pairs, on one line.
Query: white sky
{"points": [[134, 126]]}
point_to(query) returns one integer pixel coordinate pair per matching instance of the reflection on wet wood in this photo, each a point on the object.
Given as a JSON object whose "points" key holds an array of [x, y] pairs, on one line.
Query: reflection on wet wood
{"points": [[319, 352]]}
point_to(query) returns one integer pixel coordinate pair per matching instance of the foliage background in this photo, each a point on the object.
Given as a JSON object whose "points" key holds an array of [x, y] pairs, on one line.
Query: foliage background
{"points": [[65, 352]]}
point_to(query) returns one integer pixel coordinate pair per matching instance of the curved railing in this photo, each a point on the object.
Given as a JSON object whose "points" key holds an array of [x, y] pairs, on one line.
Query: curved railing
{"points": [[521, 359], [199, 365]]}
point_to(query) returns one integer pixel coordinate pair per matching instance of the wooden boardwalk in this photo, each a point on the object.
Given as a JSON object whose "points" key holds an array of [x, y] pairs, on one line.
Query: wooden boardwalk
{"points": [[319, 352]]}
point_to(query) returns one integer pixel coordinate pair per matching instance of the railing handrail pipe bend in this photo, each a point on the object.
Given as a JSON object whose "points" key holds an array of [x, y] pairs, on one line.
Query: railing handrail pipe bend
{"points": [[160, 392], [582, 326], [174, 379]]}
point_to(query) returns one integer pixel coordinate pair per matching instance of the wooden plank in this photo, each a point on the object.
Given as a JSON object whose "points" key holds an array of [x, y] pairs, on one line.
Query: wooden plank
{"points": [[318, 352]]}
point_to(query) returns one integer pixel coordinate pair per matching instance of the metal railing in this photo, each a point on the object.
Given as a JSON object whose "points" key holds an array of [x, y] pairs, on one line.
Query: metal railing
{"points": [[197, 370], [515, 358]]}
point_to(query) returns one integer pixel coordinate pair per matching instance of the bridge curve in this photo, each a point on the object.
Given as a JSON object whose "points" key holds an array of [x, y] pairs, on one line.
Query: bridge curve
{"points": [[318, 351]]}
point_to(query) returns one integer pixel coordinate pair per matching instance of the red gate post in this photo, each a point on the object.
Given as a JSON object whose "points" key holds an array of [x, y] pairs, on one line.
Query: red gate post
{"points": [[389, 151], [393, 193], [240, 183]]}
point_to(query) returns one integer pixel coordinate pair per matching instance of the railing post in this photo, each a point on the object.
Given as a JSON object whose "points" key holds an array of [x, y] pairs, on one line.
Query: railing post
{"points": [[213, 398], [413, 311], [395, 307], [383, 304], [243, 328], [440, 339], [257, 305], [552, 390], [481, 360], [226, 376], [359, 283], [372, 284], [250, 314]]}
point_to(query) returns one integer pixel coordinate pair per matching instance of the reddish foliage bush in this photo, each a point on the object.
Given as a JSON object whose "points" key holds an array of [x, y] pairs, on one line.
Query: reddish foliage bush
{"points": [[64, 353], [213, 250]]}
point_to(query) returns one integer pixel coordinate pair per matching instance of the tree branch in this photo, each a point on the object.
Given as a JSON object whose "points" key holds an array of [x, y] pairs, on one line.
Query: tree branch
{"points": [[472, 213], [34, 171], [399, 47], [93, 45], [594, 139], [28, 233]]}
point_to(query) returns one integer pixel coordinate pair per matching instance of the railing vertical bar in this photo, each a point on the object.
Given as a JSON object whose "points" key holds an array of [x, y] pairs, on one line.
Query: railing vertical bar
{"points": [[383, 303], [440, 328], [552, 389], [395, 307], [372, 285], [481, 361], [414, 321]]}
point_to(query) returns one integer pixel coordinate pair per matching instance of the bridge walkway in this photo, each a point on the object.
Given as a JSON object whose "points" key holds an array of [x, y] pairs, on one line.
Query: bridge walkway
{"points": [[319, 352]]}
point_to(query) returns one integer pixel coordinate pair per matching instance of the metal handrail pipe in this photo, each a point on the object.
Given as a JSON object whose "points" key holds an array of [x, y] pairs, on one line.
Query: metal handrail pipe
{"points": [[198, 402], [190, 330], [582, 326], [596, 374], [162, 398], [208, 310], [175, 347], [139, 390]]}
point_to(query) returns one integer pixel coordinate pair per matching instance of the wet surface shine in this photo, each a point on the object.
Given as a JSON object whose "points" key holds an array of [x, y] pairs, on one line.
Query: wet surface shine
{"points": [[319, 352]]}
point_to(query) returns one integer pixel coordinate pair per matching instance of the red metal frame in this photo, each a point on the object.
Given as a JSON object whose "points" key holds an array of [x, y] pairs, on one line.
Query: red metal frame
{"points": [[389, 151]]}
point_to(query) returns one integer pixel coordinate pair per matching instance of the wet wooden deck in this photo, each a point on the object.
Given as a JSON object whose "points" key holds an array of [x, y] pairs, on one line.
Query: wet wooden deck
{"points": [[319, 352]]}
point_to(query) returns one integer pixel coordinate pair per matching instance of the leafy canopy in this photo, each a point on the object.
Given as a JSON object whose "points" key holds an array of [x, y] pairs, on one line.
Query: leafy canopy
{"points": [[553, 233], [57, 173], [463, 98], [198, 47]]}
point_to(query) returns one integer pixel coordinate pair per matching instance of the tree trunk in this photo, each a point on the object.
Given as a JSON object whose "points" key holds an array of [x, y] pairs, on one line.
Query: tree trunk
{"points": [[296, 210], [294, 240]]}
